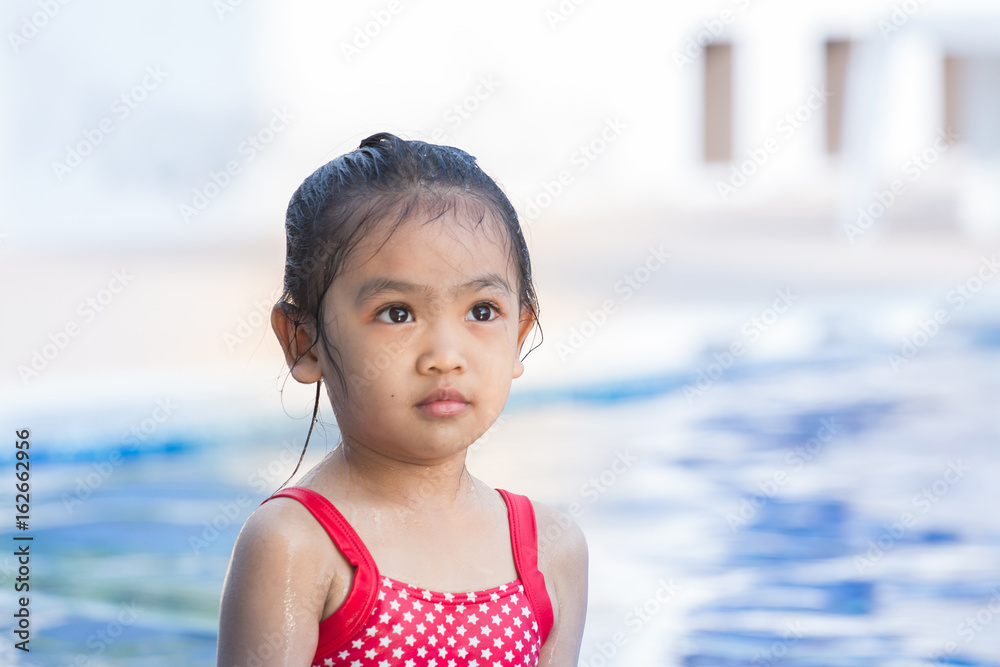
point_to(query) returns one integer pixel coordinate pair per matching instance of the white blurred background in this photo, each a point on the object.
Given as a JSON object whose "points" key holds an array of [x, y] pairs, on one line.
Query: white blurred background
{"points": [[844, 155]]}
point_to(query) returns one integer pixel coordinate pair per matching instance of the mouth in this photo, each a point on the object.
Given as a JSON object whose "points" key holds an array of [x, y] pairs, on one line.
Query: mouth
{"points": [[444, 402]]}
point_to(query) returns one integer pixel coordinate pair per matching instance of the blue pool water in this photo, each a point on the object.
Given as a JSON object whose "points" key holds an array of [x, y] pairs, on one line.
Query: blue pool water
{"points": [[820, 509]]}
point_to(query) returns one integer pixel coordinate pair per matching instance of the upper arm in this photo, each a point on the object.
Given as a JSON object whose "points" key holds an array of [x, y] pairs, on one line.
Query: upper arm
{"points": [[562, 558], [275, 590]]}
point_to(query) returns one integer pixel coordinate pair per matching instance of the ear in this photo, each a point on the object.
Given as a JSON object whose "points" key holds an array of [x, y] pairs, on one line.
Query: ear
{"points": [[524, 326], [298, 342]]}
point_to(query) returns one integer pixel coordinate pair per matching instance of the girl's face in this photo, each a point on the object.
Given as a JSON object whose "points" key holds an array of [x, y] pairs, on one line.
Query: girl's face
{"points": [[427, 329]]}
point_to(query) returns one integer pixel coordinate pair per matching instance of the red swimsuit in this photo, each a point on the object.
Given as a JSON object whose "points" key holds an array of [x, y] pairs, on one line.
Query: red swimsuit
{"points": [[388, 623]]}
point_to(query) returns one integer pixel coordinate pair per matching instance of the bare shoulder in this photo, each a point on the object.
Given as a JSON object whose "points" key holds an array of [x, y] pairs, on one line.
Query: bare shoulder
{"points": [[282, 534], [562, 559], [561, 543], [277, 532], [279, 585], [282, 516]]}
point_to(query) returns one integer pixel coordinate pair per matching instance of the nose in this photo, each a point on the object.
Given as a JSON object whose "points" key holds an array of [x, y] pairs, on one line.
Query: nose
{"points": [[442, 351]]}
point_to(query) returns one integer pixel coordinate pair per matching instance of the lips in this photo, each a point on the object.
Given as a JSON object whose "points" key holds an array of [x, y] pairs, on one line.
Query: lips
{"points": [[443, 402]]}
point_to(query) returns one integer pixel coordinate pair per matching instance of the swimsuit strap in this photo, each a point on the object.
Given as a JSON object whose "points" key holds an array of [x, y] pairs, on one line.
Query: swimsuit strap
{"points": [[524, 540], [354, 612]]}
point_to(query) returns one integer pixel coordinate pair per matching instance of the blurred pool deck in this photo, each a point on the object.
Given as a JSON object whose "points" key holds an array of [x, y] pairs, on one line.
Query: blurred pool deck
{"points": [[825, 496]]}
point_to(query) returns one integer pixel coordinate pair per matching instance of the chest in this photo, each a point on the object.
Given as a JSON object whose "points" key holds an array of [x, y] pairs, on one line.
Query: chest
{"points": [[414, 626], [442, 556]]}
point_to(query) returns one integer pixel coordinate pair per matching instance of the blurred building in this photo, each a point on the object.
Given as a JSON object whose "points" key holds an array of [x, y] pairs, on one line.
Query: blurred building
{"points": [[888, 116], [743, 108]]}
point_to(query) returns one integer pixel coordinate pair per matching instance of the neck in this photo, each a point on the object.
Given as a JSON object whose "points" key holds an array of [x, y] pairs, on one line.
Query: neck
{"points": [[384, 480]]}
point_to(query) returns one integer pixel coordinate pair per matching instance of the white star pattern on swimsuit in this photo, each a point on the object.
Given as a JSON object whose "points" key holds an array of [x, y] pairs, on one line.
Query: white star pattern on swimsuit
{"points": [[414, 627]]}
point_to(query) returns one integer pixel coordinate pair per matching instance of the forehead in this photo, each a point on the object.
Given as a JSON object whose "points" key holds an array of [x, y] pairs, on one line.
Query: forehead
{"points": [[435, 247]]}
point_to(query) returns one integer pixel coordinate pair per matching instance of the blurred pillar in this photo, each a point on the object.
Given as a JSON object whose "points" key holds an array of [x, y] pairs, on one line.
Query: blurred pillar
{"points": [[952, 96], [718, 139], [837, 57]]}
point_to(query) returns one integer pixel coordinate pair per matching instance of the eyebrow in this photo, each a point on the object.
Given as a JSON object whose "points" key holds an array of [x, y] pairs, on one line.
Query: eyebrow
{"points": [[380, 285]]}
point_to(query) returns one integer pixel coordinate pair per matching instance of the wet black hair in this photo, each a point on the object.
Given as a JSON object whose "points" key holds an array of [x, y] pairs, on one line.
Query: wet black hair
{"points": [[385, 179]]}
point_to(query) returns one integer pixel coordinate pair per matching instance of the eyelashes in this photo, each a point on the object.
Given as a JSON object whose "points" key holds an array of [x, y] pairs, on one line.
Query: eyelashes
{"points": [[398, 313], [395, 314], [483, 312]]}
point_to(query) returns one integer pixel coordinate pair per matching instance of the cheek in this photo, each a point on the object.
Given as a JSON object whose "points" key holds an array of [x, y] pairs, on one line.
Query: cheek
{"points": [[496, 357], [384, 362], [507, 347], [372, 396]]}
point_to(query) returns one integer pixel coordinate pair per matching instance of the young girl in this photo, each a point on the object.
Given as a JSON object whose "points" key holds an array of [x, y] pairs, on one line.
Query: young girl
{"points": [[408, 295]]}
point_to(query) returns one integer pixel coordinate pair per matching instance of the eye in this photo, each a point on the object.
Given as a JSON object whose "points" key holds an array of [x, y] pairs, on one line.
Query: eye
{"points": [[482, 312], [395, 315]]}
